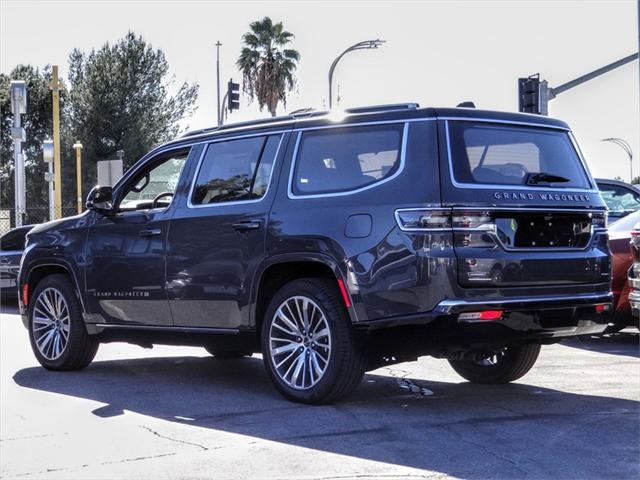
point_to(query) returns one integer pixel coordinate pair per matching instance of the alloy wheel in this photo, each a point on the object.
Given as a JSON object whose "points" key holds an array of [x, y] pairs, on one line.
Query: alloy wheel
{"points": [[300, 342], [51, 323]]}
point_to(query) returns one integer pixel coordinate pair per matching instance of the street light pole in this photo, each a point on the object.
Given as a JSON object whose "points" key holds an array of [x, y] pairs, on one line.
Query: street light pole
{"points": [[78, 148], [627, 148], [365, 45], [18, 91], [218, 112]]}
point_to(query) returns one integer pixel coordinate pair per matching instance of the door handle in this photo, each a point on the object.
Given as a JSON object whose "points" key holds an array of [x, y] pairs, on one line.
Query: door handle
{"points": [[247, 225], [150, 232]]}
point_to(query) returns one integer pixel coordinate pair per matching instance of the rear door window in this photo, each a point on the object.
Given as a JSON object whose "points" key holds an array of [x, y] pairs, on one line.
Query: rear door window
{"points": [[509, 155], [339, 159], [235, 170]]}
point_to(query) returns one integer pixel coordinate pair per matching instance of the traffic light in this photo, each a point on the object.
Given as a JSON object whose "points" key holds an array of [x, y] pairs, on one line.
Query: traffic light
{"points": [[529, 94], [233, 96]]}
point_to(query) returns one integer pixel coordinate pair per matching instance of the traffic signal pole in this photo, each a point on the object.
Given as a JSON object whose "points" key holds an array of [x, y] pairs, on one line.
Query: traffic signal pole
{"points": [[534, 94]]}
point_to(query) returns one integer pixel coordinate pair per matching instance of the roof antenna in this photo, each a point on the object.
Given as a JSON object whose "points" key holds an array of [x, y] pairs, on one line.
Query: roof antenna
{"points": [[466, 105]]}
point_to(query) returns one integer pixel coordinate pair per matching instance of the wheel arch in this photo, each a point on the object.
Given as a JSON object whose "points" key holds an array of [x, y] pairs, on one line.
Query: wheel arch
{"points": [[38, 272], [285, 268]]}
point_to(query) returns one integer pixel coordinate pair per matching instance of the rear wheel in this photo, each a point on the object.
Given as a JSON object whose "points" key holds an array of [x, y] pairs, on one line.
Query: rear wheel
{"points": [[506, 365], [57, 332], [310, 349]]}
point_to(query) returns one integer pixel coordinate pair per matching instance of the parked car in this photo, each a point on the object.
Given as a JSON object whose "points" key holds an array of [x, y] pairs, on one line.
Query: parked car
{"points": [[11, 247], [634, 276], [619, 243], [621, 198], [334, 246]]}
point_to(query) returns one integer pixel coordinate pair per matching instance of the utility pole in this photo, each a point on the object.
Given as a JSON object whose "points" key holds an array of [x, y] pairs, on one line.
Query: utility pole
{"points": [[218, 111], [18, 91], [78, 148], [56, 86]]}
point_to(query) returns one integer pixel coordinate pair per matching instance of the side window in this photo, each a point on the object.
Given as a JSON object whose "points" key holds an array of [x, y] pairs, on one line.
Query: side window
{"points": [[156, 180], [235, 170], [343, 159]]}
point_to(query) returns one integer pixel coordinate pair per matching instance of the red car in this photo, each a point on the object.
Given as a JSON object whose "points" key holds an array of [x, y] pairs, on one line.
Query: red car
{"points": [[620, 234]]}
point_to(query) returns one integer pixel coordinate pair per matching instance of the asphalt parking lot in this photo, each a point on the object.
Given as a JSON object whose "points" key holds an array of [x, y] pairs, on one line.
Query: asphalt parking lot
{"points": [[176, 413]]}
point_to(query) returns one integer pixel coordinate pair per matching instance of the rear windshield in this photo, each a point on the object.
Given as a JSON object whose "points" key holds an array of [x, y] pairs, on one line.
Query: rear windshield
{"points": [[508, 155]]}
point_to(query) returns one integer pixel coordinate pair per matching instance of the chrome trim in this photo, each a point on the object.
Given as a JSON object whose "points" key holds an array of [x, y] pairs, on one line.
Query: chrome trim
{"points": [[236, 202], [159, 328], [445, 306], [403, 152], [489, 186]]}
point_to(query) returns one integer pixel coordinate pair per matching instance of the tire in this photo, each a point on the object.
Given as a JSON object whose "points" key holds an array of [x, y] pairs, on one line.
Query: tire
{"points": [[228, 354], [509, 365], [332, 364], [69, 346]]}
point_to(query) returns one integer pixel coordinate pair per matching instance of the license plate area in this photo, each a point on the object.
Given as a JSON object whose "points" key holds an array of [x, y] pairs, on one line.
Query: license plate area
{"points": [[542, 230]]}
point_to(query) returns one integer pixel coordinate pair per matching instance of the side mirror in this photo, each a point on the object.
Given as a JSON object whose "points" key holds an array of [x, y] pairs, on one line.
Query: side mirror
{"points": [[100, 200]]}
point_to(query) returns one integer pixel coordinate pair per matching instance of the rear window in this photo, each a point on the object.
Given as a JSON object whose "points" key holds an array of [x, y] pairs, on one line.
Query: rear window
{"points": [[507, 155], [344, 159], [619, 200]]}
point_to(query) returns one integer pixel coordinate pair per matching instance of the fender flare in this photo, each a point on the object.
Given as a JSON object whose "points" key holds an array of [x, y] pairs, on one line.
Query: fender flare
{"points": [[279, 259]]}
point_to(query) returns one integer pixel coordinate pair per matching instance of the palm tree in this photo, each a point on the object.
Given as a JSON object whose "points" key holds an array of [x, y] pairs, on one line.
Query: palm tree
{"points": [[267, 67]]}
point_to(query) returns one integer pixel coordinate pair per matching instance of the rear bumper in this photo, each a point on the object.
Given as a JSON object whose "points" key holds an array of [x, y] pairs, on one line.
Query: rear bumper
{"points": [[523, 318]]}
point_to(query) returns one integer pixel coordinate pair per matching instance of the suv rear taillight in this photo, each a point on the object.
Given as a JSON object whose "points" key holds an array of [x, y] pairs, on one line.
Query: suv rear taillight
{"points": [[416, 220], [529, 229]]}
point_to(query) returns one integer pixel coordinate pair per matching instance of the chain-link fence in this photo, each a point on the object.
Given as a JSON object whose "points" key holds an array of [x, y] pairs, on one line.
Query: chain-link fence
{"points": [[33, 215]]}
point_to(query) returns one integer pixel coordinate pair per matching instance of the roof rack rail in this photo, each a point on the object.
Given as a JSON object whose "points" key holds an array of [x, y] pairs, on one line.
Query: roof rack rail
{"points": [[303, 113], [383, 108]]}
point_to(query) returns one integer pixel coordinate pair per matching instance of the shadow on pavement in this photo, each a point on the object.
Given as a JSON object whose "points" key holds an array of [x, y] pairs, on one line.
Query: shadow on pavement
{"points": [[462, 430], [626, 343]]}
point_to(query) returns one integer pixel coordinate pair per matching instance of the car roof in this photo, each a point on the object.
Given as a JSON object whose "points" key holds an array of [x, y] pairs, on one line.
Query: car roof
{"points": [[376, 113], [619, 183]]}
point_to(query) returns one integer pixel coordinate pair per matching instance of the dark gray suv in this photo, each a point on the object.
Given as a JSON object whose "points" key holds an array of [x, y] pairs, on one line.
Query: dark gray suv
{"points": [[334, 245]]}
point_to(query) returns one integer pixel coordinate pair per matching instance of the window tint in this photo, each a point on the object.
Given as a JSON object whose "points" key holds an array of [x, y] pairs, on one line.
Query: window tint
{"points": [[235, 170], [506, 155], [343, 159], [14, 240], [620, 200], [159, 179]]}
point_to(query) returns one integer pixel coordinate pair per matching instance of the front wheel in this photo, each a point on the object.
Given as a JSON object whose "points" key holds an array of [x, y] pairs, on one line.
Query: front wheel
{"points": [[310, 349], [503, 366], [57, 332]]}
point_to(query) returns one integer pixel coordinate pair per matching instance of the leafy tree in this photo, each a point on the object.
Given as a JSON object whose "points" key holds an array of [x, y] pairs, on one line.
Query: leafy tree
{"points": [[267, 67], [116, 98], [37, 123], [119, 99]]}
